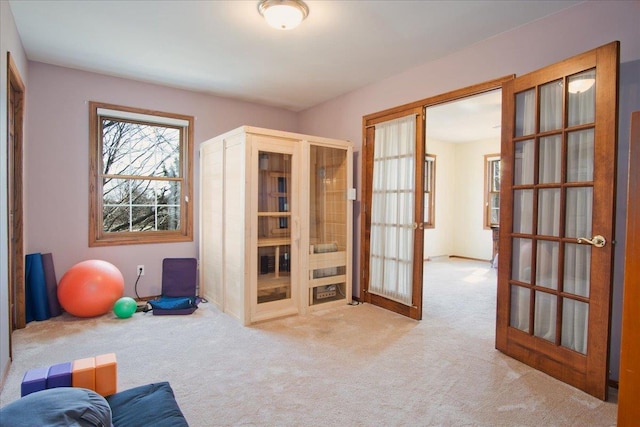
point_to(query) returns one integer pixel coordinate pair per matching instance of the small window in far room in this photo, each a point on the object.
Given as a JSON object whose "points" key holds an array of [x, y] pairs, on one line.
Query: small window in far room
{"points": [[492, 190], [140, 188], [429, 190]]}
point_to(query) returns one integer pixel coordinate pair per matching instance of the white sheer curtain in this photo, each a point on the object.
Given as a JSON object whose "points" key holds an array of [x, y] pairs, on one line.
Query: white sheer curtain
{"points": [[392, 210], [524, 164], [549, 210], [579, 208], [577, 212]]}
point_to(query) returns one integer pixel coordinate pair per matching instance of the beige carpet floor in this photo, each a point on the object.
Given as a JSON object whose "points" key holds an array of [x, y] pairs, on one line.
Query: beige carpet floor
{"points": [[347, 366]]}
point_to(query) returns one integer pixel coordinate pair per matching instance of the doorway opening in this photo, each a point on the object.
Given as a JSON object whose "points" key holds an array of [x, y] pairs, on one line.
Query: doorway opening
{"points": [[462, 135], [462, 145], [407, 122]]}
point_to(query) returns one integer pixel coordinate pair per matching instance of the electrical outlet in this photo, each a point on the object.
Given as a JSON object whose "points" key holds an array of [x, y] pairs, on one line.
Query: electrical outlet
{"points": [[140, 270]]}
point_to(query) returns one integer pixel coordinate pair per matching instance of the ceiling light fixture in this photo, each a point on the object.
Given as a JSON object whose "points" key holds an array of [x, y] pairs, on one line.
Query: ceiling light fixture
{"points": [[581, 85], [283, 14]]}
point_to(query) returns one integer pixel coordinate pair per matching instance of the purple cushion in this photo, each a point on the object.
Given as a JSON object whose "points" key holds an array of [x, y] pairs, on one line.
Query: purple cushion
{"points": [[179, 277]]}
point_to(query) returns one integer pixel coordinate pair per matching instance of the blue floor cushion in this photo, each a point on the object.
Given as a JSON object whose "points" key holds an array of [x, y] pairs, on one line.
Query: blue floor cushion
{"points": [[147, 405], [58, 407]]}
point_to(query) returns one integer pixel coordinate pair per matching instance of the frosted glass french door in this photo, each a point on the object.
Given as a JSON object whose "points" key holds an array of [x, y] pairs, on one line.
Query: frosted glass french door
{"points": [[393, 276], [392, 208], [554, 281]]}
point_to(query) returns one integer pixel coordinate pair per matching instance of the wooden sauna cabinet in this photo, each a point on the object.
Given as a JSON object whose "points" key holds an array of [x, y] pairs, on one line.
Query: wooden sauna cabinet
{"points": [[275, 222]]}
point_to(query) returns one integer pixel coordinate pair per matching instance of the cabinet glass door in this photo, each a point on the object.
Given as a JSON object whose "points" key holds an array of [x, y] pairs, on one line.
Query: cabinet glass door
{"points": [[327, 224], [274, 227]]}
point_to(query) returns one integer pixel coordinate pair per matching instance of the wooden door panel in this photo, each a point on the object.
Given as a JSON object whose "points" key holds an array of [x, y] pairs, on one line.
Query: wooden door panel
{"points": [[585, 197], [414, 309]]}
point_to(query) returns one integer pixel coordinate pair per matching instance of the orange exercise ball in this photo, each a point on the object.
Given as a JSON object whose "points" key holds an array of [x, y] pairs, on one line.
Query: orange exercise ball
{"points": [[90, 288]]}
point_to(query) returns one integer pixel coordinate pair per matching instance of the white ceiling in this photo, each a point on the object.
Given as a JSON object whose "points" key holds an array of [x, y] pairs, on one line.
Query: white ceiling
{"points": [[225, 48], [474, 118]]}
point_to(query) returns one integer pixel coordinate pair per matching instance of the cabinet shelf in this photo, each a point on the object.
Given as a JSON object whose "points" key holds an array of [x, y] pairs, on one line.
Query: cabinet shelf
{"points": [[269, 281], [325, 281], [274, 214], [273, 241], [327, 293]]}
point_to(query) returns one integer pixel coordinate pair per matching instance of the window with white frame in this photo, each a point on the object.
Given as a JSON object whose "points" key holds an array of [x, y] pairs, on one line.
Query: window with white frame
{"points": [[140, 184], [429, 190], [492, 191]]}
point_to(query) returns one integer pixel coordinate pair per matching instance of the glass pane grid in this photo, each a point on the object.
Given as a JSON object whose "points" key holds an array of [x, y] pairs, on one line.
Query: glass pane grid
{"points": [[549, 212], [577, 261], [551, 98], [581, 89], [547, 264], [580, 155], [549, 286], [550, 159], [130, 205], [575, 325], [519, 310], [545, 313]]}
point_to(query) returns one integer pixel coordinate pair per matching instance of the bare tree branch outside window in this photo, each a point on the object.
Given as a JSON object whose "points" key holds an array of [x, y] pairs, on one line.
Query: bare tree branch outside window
{"points": [[141, 176]]}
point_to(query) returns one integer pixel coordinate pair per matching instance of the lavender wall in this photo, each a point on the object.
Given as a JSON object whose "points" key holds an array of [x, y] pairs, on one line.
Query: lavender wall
{"points": [[525, 49], [629, 101], [57, 153]]}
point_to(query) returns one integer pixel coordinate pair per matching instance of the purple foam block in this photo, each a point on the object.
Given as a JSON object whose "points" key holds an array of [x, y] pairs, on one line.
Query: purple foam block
{"points": [[34, 380], [59, 375]]}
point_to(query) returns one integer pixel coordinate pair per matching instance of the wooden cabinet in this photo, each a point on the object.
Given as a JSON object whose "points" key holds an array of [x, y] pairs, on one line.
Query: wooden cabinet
{"points": [[275, 222]]}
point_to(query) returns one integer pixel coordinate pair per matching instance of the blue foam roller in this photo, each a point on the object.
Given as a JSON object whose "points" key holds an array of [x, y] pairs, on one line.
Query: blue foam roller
{"points": [[36, 300], [59, 375], [34, 380]]}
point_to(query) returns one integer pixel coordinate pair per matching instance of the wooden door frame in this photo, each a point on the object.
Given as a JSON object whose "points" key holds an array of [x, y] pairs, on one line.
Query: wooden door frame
{"points": [[15, 244], [628, 409], [368, 123]]}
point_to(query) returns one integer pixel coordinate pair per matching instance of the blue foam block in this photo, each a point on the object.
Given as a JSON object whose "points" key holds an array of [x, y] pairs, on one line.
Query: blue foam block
{"points": [[34, 380], [59, 375]]}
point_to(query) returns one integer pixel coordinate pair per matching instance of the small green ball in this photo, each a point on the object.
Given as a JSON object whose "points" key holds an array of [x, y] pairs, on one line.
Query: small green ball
{"points": [[125, 307]]}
